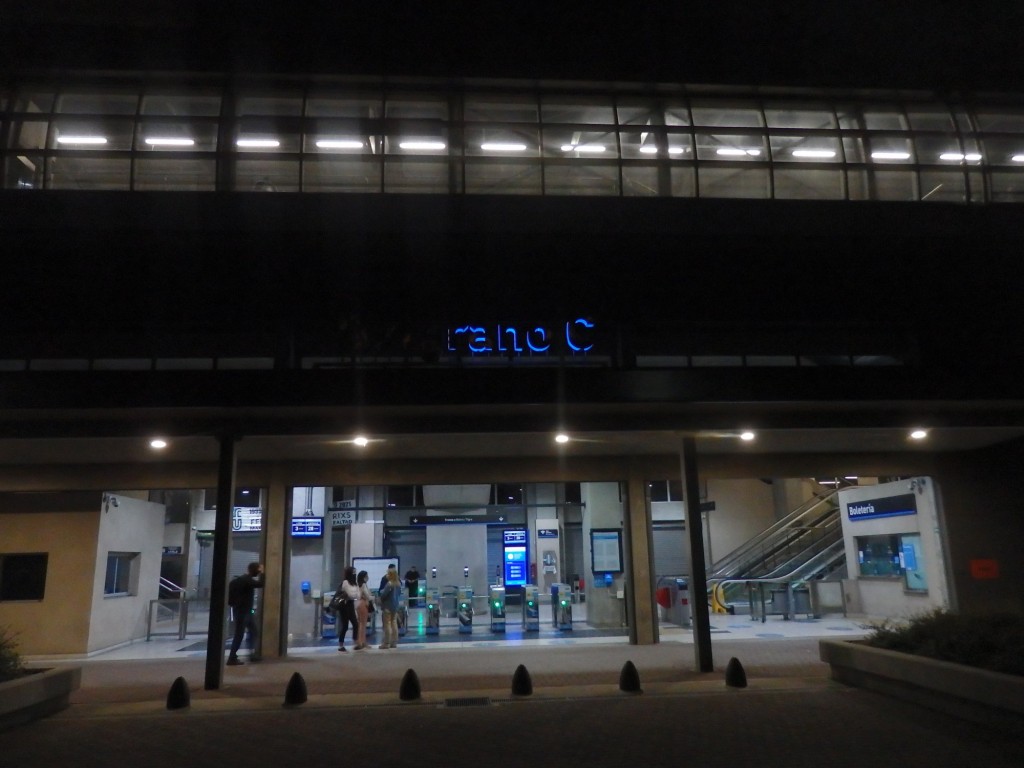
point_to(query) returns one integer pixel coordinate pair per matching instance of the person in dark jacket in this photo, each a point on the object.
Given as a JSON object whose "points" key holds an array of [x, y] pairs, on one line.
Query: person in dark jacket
{"points": [[242, 599]]}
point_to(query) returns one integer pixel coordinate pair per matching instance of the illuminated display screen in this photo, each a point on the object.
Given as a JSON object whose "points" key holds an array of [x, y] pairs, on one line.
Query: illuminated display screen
{"points": [[515, 566], [307, 527]]}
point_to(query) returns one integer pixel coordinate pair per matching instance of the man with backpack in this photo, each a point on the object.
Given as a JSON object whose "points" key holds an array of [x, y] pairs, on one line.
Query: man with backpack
{"points": [[242, 598]]}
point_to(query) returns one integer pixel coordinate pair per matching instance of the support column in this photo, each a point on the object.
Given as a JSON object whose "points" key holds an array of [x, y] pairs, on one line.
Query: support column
{"points": [[275, 567], [643, 621], [698, 571], [221, 552]]}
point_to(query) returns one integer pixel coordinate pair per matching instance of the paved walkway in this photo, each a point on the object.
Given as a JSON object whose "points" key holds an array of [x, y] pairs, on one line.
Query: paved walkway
{"points": [[789, 714]]}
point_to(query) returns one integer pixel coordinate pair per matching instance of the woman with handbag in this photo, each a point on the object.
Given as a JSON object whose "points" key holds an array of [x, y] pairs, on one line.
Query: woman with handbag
{"points": [[347, 610], [390, 598], [363, 608]]}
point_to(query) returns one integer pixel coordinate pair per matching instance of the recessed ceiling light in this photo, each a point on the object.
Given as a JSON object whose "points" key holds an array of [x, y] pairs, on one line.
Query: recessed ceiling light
{"points": [[81, 140], [561, 438], [258, 143], [502, 146], [158, 443], [340, 144], [748, 435], [890, 155], [169, 141], [427, 145], [361, 441], [919, 434]]}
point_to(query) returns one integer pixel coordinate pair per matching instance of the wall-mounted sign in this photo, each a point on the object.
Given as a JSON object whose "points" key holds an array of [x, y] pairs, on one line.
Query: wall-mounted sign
{"points": [[486, 517], [307, 527], [246, 519], [606, 550], [891, 506], [575, 337], [342, 517], [547, 533], [514, 536], [984, 569], [172, 550]]}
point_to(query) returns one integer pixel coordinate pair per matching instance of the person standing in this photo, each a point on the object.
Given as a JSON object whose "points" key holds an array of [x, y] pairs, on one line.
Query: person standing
{"points": [[390, 598], [347, 611], [362, 609], [242, 599], [412, 583]]}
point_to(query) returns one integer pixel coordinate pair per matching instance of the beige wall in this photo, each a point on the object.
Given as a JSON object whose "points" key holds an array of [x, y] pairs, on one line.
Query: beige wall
{"points": [[53, 626]]}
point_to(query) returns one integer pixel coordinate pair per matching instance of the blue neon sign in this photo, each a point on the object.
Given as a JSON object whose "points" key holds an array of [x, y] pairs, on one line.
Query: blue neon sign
{"points": [[577, 338]]}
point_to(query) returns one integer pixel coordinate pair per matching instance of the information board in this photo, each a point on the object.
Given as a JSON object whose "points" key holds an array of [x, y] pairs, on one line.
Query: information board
{"points": [[606, 550]]}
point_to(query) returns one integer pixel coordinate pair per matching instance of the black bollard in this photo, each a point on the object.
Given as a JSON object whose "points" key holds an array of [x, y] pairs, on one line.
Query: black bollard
{"points": [[409, 690], [295, 693], [179, 697], [629, 678], [522, 685], [735, 677]]}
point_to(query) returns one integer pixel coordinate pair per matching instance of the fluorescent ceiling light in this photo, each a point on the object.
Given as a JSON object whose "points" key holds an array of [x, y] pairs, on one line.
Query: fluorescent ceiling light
{"points": [[890, 155], [736, 152], [582, 148], [157, 443], [958, 156], [167, 141], [919, 434], [258, 143], [81, 140], [502, 146], [361, 441], [650, 149], [972, 157], [340, 144], [561, 438], [814, 153], [748, 436], [422, 144], [1018, 158]]}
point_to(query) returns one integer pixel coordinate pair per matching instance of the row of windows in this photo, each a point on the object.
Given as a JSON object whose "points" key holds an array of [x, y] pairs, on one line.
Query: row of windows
{"points": [[510, 143]]}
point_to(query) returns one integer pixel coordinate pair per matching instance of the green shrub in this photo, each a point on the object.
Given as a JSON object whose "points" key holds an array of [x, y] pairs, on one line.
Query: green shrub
{"points": [[994, 642], [10, 661]]}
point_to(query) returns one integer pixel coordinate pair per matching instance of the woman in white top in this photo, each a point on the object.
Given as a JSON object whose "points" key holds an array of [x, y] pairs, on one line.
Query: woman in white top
{"points": [[347, 613]]}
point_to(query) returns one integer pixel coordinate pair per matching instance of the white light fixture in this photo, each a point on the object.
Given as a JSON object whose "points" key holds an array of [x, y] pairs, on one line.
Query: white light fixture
{"points": [[747, 436], [167, 141], [890, 155], [94, 140], [361, 441], [340, 144], [650, 149], [919, 434], [737, 152], [430, 145], [258, 143], [1018, 158], [158, 443], [817, 154], [561, 438], [502, 146], [591, 148]]}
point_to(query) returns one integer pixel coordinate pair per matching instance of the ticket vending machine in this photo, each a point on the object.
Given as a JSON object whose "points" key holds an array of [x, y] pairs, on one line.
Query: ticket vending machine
{"points": [[496, 601], [464, 610], [433, 626], [561, 604], [531, 608]]}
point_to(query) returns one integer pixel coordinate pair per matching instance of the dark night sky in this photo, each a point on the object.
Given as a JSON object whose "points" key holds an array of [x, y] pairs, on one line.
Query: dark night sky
{"points": [[849, 43]]}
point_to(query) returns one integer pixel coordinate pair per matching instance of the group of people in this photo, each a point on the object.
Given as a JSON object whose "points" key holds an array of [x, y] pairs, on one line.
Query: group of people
{"points": [[357, 604]]}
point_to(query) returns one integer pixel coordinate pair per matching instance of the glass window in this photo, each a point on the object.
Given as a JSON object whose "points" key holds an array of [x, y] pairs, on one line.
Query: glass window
{"points": [[580, 178], [930, 118], [805, 149], [946, 149], [1004, 151], [645, 112], [268, 104], [122, 574], [500, 109], [34, 101], [510, 141], [181, 104], [684, 181], [23, 172], [416, 140], [183, 136], [28, 134], [1007, 186], [580, 145], [23, 576], [648, 145], [365, 107], [508, 177], [342, 174], [641, 181], [731, 147], [88, 173], [98, 103], [267, 175], [893, 185], [808, 184], [726, 115], [878, 555], [884, 119], [420, 107], [890, 150], [751, 183], [582, 111], [91, 134], [1000, 121], [178, 174], [943, 186], [809, 117], [413, 174], [343, 137]]}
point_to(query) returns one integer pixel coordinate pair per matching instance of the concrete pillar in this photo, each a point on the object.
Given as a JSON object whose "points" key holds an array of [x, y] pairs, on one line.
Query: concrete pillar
{"points": [[643, 619], [221, 551], [276, 524], [698, 571]]}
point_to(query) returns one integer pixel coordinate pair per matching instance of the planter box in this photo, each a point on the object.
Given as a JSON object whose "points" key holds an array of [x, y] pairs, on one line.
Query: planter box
{"points": [[36, 695], [966, 692]]}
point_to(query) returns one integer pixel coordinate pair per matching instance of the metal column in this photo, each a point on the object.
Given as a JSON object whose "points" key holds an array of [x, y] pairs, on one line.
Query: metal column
{"points": [[221, 551], [698, 571]]}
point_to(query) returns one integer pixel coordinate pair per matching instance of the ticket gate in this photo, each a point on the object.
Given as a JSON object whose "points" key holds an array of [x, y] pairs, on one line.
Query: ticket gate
{"points": [[531, 608], [496, 602], [561, 606], [433, 625], [464, 610]]}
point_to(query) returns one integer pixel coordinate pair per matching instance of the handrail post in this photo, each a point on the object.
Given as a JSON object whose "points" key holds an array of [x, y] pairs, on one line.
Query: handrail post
{"points": [[182, 616]]}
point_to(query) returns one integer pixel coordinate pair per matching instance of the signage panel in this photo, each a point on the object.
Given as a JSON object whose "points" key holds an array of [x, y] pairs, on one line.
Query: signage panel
{"points": [[547, 533], [606, 550], [246, 519], [891, 506], [307, 527]]}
